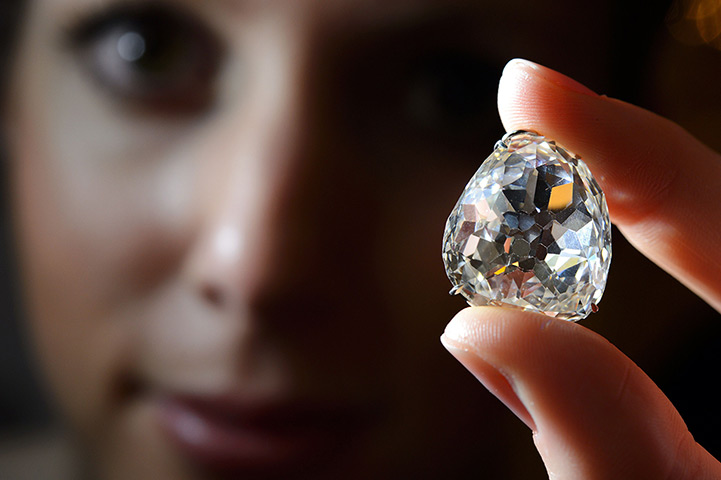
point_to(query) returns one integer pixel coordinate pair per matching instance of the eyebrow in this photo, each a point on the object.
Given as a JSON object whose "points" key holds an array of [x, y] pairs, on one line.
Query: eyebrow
{"points": [[353, 16], [376, 12]]}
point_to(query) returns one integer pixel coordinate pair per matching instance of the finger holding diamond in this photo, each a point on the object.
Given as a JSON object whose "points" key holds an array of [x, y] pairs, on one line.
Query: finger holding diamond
{"points": [[661, 184], [594, 413]]}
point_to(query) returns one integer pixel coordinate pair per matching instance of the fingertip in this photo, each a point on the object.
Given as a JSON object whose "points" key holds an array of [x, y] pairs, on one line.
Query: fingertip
{"points": [[522, 78], [496, 332], [473, 328], [458, 331]]}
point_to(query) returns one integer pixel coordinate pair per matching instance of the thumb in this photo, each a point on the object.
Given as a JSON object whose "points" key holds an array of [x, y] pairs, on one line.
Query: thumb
{"points": [[594, 413]]}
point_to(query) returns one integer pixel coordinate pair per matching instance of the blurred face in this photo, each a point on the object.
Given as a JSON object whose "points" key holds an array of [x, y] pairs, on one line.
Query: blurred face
{"points": [[229, 218]]}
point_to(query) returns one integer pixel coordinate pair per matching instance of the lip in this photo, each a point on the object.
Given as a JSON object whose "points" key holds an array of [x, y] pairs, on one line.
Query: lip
{"points": [[227, 434]]}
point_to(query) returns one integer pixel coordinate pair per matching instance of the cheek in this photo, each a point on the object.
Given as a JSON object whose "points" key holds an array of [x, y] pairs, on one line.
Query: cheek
{"points": [[67, 296], [100, 216]]}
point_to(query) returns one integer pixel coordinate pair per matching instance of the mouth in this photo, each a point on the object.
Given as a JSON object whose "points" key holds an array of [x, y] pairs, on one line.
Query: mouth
{"points": [[231, 435]]}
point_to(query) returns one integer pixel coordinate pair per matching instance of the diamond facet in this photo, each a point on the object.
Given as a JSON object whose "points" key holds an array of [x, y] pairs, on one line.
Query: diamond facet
{"points": [[531, 231]]}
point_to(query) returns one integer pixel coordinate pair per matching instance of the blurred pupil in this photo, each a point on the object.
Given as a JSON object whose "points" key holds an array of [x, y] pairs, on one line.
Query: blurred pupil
{"points": [[154, 47], [131, 46]]}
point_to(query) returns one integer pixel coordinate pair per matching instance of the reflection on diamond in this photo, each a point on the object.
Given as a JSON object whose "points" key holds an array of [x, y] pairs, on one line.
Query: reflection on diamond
{"points": [[531, 230]]}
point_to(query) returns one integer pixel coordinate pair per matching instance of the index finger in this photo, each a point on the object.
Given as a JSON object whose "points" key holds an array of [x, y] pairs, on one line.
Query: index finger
{"points": [[662, 185]]}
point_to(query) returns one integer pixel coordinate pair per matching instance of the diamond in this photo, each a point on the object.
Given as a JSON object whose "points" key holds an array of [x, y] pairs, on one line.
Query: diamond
{"points": [[531, 231]]}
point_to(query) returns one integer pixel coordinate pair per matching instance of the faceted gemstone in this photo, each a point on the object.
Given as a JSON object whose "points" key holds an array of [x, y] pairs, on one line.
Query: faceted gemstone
{"points": [[531, 231]]}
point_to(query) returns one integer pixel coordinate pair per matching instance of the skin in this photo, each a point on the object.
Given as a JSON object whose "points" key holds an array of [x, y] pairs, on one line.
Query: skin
{"points": [[264, 246], [593, 412]]}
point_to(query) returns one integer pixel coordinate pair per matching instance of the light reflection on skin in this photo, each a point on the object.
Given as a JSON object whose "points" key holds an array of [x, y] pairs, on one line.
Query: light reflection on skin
{"points": [[282, 244]]}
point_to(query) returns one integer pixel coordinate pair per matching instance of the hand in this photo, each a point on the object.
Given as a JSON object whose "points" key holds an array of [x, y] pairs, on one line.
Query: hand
{"points": [[593, 412]]}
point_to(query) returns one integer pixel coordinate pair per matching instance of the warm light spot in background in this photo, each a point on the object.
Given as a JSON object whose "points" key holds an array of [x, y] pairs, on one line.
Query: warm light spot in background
{"points": [[696, 22]]}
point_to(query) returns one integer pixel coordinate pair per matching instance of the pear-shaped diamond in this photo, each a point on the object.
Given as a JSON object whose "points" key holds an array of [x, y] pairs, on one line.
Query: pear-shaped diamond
{"points": [[531, 230]]}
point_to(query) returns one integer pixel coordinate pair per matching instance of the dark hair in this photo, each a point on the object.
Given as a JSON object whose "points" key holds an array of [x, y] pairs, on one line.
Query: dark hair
{"points": [[26, 407], [10, 22]]}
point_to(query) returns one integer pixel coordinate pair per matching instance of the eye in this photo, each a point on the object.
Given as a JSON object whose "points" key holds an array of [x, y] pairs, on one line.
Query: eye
{"points": [[452, 93], [154, 56]]}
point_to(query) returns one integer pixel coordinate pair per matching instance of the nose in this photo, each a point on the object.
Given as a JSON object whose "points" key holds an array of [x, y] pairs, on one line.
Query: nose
{"points": [[251, 198], [284, 217], [256, 216]]}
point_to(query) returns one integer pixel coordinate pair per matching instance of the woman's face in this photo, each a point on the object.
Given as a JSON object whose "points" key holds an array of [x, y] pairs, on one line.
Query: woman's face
{"points": [[229, 216]]}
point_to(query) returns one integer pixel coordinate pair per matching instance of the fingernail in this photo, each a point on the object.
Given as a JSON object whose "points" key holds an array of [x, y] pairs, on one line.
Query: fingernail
{"points": [[552, 76], [491, 378]]}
